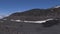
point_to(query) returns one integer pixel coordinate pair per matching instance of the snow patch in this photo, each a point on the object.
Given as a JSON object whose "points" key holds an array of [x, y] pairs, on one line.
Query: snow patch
{"points": [[35, 21], [43, 21], [18, 20], [38, 21]]}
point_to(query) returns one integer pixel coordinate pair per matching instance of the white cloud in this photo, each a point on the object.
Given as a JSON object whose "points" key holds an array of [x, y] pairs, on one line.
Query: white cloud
{"points": [[1, 17]]}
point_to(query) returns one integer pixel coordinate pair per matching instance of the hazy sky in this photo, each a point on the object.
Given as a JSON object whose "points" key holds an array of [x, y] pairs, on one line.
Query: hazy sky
{"points": [[10, 6]]}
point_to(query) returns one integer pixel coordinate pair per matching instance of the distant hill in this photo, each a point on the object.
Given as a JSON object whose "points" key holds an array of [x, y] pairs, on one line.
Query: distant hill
{"points": [[36, 14]]}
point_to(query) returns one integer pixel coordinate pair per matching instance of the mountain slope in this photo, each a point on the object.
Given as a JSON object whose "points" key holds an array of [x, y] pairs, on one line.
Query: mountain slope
{"points": [[36, 14]]}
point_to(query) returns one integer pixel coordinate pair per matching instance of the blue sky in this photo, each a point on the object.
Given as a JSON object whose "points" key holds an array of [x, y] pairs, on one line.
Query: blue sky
{"points": [[11, 6]]}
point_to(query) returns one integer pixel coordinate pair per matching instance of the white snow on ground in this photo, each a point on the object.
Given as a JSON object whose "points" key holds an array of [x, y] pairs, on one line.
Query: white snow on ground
{"points": [[43, 21], [31, 21], [16, 20], [35, 21], [38, 21]]}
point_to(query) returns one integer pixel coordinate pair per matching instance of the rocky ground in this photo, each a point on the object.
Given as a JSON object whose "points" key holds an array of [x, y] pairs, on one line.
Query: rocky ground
{"points": [[11, 27]]}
